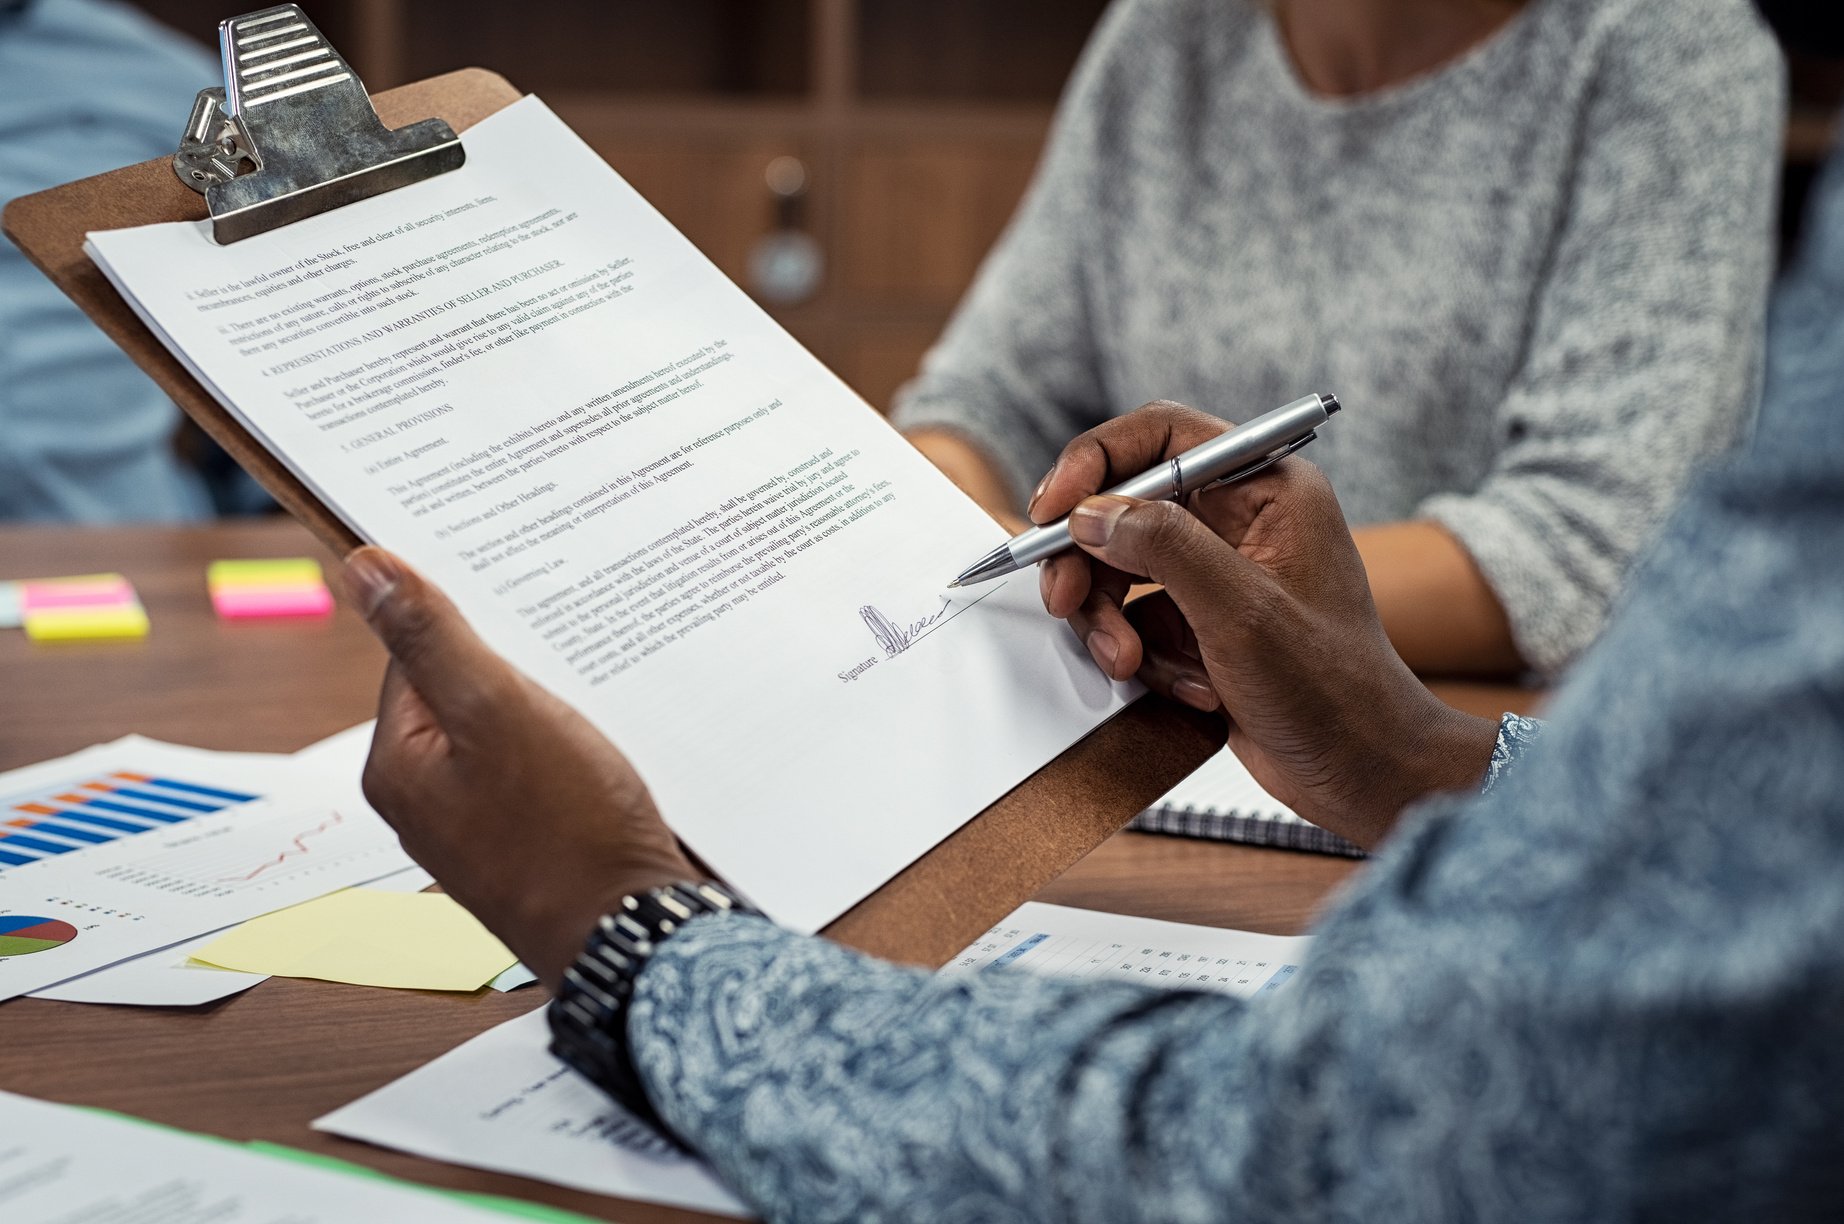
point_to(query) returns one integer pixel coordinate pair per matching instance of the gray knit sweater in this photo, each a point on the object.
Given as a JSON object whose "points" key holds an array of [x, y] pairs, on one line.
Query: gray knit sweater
{"points": [[1535, 276]]}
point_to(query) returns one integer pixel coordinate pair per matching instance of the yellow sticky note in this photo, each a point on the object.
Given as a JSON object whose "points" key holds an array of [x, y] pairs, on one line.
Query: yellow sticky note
{"points": [[412, 941], [281, 571], [77, 624]]}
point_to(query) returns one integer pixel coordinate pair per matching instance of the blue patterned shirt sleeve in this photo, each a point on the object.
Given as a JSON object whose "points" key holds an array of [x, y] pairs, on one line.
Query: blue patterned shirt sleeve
{"points": [[1515, 736], [826, 1086], [1611, 986]]}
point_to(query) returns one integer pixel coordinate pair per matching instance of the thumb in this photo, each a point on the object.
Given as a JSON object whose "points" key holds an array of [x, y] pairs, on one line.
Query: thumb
{"points": [[457, 675], [1163, 542]]}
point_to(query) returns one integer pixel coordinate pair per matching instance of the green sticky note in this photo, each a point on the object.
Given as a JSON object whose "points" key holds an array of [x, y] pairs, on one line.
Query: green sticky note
{"points": [[486, 1202], [281, 1151]]}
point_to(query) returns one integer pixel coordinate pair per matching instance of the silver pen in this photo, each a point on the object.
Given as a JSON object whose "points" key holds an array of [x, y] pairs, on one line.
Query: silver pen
{"points": [[1243, 451]]}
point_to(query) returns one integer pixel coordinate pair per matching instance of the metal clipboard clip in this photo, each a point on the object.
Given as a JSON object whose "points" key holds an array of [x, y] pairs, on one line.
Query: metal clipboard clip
{"points": [[292, 133]]}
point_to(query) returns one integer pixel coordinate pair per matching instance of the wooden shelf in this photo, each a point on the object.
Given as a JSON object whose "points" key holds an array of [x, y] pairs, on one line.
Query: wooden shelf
{"points": [[674, 116], [970, 50], [754, 49], [726, 115], [918, 125]]}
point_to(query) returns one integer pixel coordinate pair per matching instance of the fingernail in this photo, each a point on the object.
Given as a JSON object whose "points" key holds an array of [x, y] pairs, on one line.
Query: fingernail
{"points": [[1104, 649], [1195, 693], [371, 573], [1044, 584], [1092, 522], [1030, 507]]}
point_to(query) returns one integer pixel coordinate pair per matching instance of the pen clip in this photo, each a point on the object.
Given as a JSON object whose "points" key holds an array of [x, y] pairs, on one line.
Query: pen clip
{"points": [[1266, 461]]}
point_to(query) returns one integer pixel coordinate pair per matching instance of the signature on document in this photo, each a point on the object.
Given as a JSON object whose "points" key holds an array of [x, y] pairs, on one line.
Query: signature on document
{"points": [[897, 637]]}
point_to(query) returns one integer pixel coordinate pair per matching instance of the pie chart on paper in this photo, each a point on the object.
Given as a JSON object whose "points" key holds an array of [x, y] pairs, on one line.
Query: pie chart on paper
{"points": [[22, 934]]}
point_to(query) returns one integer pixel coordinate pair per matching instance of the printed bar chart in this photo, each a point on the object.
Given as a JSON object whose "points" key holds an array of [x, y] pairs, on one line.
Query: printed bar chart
{"points": [[98, 810]]}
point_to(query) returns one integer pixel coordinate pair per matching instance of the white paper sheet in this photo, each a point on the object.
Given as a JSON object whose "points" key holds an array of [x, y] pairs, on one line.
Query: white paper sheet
{"points": [[513, 978], [644, 493], [134, 846], [169, 978], [340, 757], [501, 1101], [64, 1165], [157, 979]]}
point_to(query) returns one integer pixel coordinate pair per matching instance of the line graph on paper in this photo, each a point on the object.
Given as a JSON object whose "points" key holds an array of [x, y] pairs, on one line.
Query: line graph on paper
{"points": [[256, 853], [296, 849]]}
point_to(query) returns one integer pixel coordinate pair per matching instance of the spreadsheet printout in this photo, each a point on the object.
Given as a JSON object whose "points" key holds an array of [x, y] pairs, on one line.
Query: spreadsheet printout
{"points": [[1057, 941]]}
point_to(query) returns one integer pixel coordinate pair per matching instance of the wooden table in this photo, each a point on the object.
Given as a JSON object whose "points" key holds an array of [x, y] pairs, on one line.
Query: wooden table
{"points": [[263, 1064]]}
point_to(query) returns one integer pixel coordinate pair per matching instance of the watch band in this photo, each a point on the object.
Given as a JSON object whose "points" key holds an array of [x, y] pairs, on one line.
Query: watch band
{"points": [[589, 1015]]}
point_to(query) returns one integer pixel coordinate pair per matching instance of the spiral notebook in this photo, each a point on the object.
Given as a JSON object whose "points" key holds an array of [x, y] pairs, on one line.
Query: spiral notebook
{"points": [[1223, 802]]}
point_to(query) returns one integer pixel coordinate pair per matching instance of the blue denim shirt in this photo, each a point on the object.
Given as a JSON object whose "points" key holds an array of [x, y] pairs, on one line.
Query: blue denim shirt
{"points": [[1610, 987], [84, 435]]}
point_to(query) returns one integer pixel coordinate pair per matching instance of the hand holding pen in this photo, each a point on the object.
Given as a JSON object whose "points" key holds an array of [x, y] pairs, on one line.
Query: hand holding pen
{"points": [[1140, 447], [1265, 613], [1232, 453]]}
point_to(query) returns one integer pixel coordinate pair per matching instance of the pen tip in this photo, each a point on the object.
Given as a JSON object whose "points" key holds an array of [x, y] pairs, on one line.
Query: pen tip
{"points": [[953, 584]]}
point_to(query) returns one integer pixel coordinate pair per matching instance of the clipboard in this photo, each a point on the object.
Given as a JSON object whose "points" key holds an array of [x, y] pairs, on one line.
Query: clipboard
{"points": [[925, 914]]}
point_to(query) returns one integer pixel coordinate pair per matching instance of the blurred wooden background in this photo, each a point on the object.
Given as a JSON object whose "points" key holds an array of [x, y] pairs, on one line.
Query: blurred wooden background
{"points": [[916, 125]]}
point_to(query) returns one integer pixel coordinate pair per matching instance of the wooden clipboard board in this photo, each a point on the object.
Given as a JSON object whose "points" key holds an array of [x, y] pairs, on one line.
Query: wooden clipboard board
{"points": [[926, 914]]}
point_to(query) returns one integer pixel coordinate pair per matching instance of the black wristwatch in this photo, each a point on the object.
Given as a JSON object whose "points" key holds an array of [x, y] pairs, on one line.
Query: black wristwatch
{"points": [[589, 1015]]}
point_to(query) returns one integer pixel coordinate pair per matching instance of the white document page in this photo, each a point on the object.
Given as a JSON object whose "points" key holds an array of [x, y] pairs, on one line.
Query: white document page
{"points": [[156, 979], [64, 1165], [133, 846], [502, 1102], [644, 493], [170, 978]]}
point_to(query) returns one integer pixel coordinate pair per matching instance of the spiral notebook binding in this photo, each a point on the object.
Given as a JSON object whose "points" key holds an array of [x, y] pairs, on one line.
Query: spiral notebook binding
{"points": [[1252, 828]]}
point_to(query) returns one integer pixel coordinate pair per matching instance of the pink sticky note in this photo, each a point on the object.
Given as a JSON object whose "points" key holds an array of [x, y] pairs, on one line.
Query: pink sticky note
{"points": [[83, 593], [235, 604]]}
